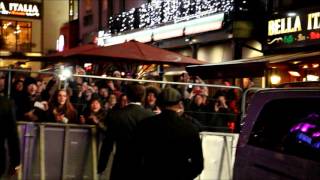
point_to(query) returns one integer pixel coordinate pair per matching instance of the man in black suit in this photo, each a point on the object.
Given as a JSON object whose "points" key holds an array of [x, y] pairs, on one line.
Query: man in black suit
{"points": [[121, 126], [169, 146], [8, 133]]}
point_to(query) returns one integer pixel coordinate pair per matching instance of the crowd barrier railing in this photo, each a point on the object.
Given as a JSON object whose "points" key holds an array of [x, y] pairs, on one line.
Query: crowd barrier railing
{"points": [[57, 151], [69, 151]]}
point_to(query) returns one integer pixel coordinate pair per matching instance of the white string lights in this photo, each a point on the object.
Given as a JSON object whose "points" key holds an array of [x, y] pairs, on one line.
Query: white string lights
{"points": [[160, 12]]}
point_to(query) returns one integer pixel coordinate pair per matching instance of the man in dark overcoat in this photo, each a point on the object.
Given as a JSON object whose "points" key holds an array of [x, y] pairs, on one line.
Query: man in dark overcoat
{"points": [[169, 146], [121, 126], [9, 135]]}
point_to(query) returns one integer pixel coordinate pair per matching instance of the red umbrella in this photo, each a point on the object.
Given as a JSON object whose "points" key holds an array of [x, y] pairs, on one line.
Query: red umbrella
{"points": [[72, 51], [135, 51]]}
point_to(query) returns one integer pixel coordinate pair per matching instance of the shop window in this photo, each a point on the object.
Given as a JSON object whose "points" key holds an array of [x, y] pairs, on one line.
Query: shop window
{"points": [[289, 126], [16, 35]]}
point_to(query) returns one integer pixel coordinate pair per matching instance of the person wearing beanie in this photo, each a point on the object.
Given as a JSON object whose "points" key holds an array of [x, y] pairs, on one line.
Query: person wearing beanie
{"points": [[168, 146]]}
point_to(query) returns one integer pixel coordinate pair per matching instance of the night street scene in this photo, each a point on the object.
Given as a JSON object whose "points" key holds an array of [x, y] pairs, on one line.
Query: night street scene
{"points": [[159, 89]]}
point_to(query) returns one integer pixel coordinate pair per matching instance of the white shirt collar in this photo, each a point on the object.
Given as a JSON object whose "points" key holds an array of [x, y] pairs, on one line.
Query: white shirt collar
{"points": [[136, 103]]}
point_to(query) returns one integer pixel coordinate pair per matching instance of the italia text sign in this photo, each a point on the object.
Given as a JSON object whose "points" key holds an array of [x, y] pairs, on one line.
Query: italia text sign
{"points": [[22, 9]]}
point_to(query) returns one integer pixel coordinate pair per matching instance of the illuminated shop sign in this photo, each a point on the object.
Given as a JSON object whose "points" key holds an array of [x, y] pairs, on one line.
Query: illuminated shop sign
{"points": [[27, 9], [204, 24], [294, 29]]}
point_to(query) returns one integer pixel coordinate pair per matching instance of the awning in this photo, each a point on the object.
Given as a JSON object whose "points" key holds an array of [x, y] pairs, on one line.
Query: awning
{"points": [[251, 67], [132, 51], [72, 51]]}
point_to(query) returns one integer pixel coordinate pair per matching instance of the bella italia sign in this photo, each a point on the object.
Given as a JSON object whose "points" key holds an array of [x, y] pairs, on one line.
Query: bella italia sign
{"points": [[294, 29], [28, 9]]}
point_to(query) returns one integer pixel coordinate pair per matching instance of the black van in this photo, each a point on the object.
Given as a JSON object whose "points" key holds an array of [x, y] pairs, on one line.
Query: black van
{"points": [[280, 137]]}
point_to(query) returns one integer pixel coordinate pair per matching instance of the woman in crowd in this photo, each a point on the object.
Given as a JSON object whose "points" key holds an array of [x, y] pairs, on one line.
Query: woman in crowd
{"points": [[103, 94], [123, 102], [60, 108], [151, 99], [112, 101], [94, 114]]}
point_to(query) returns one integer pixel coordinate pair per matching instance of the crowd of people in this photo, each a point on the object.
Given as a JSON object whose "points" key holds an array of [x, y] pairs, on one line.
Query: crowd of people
{"points": [[158, 124], [88, 101]]}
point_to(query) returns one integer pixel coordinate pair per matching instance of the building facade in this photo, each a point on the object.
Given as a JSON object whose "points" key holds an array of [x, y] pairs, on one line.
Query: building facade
{"points": [[211, 31], [30, 28], [290, 44]]}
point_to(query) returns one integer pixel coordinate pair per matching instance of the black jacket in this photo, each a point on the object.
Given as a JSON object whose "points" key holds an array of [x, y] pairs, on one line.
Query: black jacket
{"points": [[169, 147], [8, 132], [121, 126]]}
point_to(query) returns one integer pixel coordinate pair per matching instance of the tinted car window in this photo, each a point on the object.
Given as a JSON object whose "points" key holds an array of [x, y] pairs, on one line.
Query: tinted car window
{"points": [[290, 126]]}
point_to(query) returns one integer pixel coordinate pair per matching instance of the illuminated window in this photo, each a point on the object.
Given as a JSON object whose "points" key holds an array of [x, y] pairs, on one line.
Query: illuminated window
{"points": [[16, 35]]}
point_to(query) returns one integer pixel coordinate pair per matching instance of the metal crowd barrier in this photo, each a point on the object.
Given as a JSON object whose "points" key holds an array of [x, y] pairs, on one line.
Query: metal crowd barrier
{"points": [[219, 154], [57, 151], [67, 151]]}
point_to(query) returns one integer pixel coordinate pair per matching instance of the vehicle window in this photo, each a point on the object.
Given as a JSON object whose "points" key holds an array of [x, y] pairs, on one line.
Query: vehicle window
{"points": [[290, 126]]}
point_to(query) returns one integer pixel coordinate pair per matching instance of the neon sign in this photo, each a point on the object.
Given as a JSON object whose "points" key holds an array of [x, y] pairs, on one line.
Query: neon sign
{"points": [[294, 30], [20, 9], [284, 25]]}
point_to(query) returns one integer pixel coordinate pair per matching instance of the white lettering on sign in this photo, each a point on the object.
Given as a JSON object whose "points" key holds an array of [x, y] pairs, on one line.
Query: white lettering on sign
{"points": [[313, 21], [284, 25], [19, 9]]}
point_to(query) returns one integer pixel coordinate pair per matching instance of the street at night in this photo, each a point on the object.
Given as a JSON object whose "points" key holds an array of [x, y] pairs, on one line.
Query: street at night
{"points": [[159, 89]]}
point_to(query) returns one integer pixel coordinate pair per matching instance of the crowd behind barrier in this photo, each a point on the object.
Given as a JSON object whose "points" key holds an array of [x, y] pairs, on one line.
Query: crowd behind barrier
{"points": [[42, 97]]}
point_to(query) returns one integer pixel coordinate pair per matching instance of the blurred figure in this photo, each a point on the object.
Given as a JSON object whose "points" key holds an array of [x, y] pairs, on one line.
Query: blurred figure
{"points": [[123, 102], [113, 89], [2, 86], [169, 146], [120, 132], [220, 104], [30, 106], [103, 94], [60, 108], [151, 99], [184, 89], [112, 101], [222, 115], [17, 90], [197, 109], [8, 134]]}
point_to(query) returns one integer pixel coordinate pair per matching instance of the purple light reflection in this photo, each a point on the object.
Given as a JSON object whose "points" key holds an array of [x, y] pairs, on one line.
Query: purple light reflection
{"points": [[316, 134], [303, 127]]}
